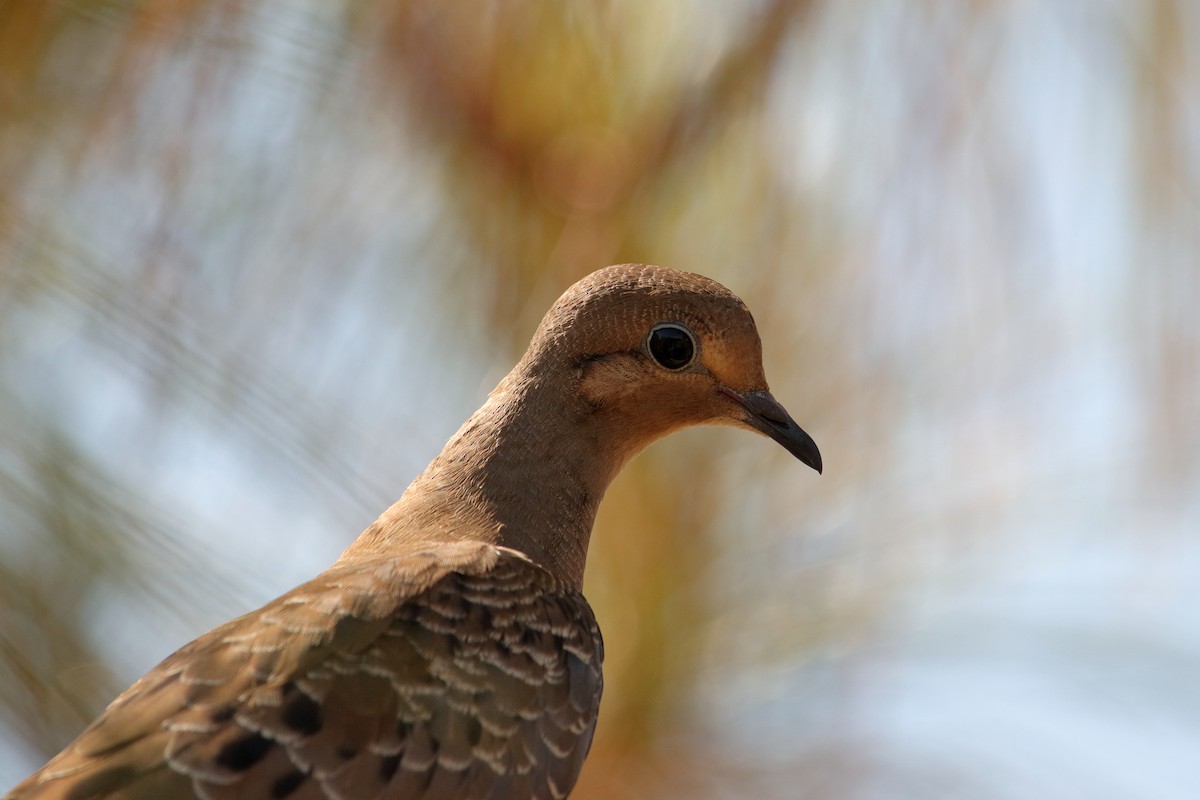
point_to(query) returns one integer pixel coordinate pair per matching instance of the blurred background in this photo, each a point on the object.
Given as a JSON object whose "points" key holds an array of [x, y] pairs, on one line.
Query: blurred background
{"points": [[259, 259]]}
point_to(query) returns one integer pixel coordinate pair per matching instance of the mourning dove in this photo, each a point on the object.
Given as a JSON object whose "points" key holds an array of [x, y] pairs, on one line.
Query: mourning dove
{"points": [[449, 652]]}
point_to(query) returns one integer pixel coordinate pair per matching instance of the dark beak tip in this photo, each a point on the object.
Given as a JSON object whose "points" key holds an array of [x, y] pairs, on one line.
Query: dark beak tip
{"points": [[770, 418], [810, 455]]}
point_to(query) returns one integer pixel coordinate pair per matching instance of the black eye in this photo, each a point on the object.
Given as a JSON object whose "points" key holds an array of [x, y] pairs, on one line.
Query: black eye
{"points": [[672, 346]]}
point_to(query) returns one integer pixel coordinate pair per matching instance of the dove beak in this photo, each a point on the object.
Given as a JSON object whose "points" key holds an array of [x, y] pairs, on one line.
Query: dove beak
{"points": [[766, 415]]}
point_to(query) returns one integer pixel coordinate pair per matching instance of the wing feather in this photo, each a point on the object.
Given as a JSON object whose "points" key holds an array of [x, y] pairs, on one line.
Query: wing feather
{"points": [[458, 671]]}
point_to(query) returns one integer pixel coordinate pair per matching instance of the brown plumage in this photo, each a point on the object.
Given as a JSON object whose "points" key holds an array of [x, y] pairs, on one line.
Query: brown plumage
{"points": [[448, 653]]}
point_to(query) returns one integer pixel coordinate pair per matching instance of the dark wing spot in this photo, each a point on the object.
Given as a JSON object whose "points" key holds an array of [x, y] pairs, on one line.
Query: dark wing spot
{"points": [[346, 752], [474, 730], [243, 753], [287, 784], [302, 714], [223, 714], [388, 766]]}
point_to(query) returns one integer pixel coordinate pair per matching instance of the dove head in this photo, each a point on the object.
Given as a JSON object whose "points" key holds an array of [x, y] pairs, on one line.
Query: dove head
{"points": [[650, 350], [624, 357]]}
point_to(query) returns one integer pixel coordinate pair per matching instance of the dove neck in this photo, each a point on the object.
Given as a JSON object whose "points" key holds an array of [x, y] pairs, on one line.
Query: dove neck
{"points": [[526, 471]]}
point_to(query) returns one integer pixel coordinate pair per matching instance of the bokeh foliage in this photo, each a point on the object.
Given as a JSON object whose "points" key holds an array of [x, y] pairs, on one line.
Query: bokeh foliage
{"points": [[258, 258]]}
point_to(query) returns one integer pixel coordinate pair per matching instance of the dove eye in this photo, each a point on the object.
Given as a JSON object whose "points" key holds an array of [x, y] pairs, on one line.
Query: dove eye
{"points": [[671, 345]]}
